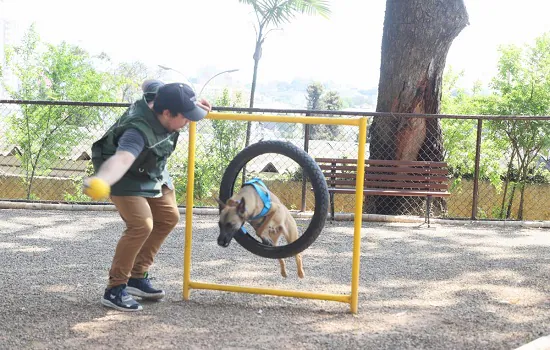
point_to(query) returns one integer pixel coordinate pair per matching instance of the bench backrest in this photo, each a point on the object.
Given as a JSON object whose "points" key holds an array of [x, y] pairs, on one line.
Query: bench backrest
{"points": [[398, 174]]}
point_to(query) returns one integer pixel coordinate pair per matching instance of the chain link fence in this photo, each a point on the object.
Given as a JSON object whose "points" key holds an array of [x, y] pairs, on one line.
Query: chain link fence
{"points": [[498, 166]]}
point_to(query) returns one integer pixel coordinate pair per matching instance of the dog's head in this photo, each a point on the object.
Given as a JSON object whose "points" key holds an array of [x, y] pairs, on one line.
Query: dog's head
{"points": [[232, 218]]}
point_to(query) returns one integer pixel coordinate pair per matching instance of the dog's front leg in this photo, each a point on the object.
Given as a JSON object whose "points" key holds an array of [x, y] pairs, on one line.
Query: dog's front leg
{"points": [[299, 265], [264, 225]]}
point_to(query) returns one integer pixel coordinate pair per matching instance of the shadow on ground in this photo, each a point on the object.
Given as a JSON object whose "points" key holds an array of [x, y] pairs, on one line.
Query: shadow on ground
{"points": [[450, 286]]}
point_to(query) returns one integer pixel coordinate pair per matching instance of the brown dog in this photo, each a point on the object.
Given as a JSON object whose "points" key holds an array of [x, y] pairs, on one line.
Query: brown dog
{"points": [[247, 205]]}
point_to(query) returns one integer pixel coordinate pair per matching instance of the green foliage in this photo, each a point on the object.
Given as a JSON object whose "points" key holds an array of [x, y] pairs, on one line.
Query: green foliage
{"points": [[207, 177], [78, 195], [522, 80], [332, 101], [314, 92], [511, 148], [523, 87], [47, 133], [229, 135], [127, 80], [318, 99], [228, 99], [459, 138], [213, 153]]}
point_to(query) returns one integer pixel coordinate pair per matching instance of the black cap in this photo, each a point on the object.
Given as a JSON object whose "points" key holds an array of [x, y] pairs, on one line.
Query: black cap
{"points": [[179, 98]]}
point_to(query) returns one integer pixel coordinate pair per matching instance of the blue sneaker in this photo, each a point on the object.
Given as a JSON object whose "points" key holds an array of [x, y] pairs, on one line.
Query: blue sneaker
{"points": [[142, 287], [117, 298]]}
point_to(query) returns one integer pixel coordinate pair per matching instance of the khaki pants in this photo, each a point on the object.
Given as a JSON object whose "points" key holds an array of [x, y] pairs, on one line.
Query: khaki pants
{"points": [[148, 223]]}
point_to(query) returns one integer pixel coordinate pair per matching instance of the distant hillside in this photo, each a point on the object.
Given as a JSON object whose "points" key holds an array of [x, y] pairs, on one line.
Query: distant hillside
{"points": [[285, 94]]}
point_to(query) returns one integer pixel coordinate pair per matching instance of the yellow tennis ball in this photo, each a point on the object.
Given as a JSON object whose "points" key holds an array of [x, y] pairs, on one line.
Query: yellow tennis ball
{"points": [[97, 188]]}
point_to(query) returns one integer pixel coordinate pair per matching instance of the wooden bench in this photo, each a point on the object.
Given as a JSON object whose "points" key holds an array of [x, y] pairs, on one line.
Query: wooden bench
{"points": [[387, 178]]}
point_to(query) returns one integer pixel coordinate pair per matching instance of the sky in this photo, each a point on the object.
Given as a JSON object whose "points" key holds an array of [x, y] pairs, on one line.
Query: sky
{"points": [[217, 35]]}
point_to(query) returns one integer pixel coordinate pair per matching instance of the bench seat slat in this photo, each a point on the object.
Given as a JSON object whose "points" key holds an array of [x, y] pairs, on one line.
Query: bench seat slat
{"points": [[339, 175], [380, 184], [337, 160], [382, 162], [390, 192], [400, 177], [375, 169], [378, 177], [405, 162]]}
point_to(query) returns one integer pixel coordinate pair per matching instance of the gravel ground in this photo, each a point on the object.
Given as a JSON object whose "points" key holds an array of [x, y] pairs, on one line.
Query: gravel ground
{"points": [[456, 286]]}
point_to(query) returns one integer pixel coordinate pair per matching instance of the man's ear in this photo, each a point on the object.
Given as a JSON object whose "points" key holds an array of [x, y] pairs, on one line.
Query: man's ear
{"points": [[241, 208], [167, 114], [222, 204]]}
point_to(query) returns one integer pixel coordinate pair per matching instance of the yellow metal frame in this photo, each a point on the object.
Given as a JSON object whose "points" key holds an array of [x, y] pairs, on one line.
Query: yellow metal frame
{"points": [[352, 298]]}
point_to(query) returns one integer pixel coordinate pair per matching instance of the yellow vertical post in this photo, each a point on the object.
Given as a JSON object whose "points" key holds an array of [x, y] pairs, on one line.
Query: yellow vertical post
{"points": [[358, 218], [189, 210]]}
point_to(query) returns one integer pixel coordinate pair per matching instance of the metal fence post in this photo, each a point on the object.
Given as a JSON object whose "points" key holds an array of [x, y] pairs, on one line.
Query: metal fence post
{"points": [[304, 182], [476, 172]]}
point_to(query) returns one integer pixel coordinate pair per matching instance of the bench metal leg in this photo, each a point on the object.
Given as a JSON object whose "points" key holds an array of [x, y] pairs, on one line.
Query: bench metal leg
{"points": [[331, 206], [428, 207]]}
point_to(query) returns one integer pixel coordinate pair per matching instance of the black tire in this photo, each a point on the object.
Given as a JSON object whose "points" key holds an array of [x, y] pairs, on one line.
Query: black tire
{"points": [[320, 190]]}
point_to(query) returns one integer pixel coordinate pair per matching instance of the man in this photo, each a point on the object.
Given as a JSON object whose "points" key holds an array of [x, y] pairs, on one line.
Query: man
{"points": [[131, 157]]}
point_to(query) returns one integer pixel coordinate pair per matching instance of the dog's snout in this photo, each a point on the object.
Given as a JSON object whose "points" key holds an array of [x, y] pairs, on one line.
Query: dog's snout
{"points": [[223, 243], [224, 240], [267, 242]]}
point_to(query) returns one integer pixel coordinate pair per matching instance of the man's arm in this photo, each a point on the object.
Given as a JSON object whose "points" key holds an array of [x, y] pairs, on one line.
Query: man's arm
{"points": [[130, 145], [115, 167]]}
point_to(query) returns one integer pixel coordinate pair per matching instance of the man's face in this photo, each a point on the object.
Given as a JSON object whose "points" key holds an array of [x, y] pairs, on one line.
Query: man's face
{"points": [[173, 123]]}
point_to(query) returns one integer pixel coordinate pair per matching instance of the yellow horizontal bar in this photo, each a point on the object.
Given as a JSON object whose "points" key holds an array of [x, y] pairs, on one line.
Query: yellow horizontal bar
{"points": [[267, 291], [284, 118]]}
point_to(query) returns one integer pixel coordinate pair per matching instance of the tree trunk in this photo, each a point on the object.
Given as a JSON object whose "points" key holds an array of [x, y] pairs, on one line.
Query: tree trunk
{"points": [[254, 78], [521, 201], [257, 55], [523, 182], [416, 39], [252, 92], [511, 202], [509, 174]]}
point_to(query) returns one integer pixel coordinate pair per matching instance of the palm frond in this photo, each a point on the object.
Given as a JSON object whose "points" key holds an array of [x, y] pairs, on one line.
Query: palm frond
{"points": [[277, 12], [257, 5], [281, 12], [314, 7]]}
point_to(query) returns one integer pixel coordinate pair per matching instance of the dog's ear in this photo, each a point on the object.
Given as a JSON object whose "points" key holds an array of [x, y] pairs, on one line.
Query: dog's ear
{"points": [[222, 204], [241, 208], [232, 202]]}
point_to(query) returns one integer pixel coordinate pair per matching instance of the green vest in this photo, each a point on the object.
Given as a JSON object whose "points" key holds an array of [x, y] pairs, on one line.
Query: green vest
{"points": [[148, 173]]}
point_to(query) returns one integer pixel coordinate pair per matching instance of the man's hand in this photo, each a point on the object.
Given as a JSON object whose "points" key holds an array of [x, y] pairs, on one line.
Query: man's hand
{"points": [[202, 103], [96, 188]]}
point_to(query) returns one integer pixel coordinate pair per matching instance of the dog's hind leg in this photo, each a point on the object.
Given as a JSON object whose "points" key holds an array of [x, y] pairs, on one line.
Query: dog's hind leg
{"points": [[291, 235], [274, 235], [299, 265]]}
